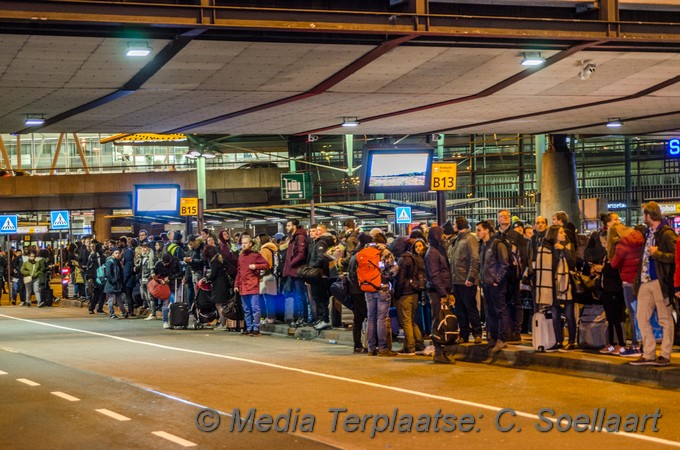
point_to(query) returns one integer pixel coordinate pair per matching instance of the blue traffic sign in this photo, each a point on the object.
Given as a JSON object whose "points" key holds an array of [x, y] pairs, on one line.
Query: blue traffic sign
{"points": [[9, 224], [60, 220], [403, 214]]}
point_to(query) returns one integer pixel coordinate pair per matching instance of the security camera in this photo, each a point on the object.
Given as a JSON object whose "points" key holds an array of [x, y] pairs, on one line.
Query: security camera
{"points": [[587, 71], [312, 138]]}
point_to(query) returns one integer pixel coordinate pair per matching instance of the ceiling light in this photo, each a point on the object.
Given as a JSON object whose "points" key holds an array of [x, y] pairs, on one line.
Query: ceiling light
{"points": [[208, 155], [194, 153], [34, 120], [532, 59], [614, 123], [350, 122], [138, 49]]}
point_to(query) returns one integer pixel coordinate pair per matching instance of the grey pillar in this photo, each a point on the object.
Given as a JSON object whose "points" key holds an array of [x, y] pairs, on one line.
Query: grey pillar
{"points": [[559, 189]]}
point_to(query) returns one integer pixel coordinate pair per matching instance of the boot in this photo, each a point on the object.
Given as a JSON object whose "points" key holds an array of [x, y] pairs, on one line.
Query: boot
{"points": [[441, 359]]}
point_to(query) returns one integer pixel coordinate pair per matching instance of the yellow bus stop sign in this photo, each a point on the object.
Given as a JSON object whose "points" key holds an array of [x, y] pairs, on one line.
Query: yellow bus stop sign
{"points": [[188, 206], [444, 176]]}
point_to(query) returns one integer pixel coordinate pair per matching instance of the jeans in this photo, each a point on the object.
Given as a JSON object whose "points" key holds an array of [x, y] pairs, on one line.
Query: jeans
{"points": [[557, 321], [251, 308], [270, 305], [650, 297], [33, 288], [360, 313], [299, 294], [631, 306], [496, 311], [406, 310], [118, 299], [466, 309], [165, 307], [378, 307]]}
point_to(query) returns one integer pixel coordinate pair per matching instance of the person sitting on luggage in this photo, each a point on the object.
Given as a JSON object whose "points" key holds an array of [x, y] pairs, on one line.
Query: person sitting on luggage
{"points": [[169, 270], [554, 259], [247, 283]]}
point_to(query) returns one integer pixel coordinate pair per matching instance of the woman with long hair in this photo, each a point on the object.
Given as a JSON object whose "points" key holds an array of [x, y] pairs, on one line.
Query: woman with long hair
{"points": [[554, 259]]}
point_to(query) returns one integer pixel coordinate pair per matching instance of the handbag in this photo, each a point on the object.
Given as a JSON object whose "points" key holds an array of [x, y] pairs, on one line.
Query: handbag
{"points": [[340, 290], [158, 290], [233, 310], [309, 274], [27, 279]]}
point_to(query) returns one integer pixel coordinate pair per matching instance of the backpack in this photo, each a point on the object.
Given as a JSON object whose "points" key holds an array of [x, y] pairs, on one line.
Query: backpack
{"points": [[369, 274], [514, 263], [274, 268], [100, 277], [445, 329], [417, 278]]}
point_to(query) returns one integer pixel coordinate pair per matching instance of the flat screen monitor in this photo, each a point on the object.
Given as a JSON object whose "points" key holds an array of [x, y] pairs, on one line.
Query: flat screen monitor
{"points": [[396, 169], [156, 199]]}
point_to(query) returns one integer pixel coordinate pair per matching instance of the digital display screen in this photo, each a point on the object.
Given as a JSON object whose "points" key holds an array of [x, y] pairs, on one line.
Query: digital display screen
{"points": [[156, 199], [396, 170]]}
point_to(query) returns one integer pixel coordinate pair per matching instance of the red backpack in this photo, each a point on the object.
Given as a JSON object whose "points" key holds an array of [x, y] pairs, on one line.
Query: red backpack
{"points": [[369, 274]]}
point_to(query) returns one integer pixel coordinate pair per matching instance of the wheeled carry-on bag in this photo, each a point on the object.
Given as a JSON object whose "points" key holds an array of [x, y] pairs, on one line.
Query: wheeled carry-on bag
{"points": [[592, 327], [179, 311], [543, 333]]}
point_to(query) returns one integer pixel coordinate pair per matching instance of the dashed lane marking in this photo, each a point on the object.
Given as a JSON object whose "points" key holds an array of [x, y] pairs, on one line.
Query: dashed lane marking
{"points": [[28, 382], [113, 415], [3, 373], [65, 396], [173, 438], [640, 437]]}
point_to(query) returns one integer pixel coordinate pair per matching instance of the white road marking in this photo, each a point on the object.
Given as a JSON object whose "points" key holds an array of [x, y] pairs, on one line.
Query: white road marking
{"points": [[173, 438], [28, 382], [641, 437], [3, 373], [113, 415], [65, 396]]}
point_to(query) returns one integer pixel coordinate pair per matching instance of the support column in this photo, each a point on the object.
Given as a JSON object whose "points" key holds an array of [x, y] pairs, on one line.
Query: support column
{"points": [[628, 180], [540, 144], [559, 189], [102, 225]]}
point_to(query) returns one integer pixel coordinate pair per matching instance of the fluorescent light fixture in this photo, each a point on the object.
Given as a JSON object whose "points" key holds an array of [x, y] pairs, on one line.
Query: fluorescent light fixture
{"points": [[532, 59], [138, 49], [350, 122], [208, 155], [614, 123], [34, 120]]}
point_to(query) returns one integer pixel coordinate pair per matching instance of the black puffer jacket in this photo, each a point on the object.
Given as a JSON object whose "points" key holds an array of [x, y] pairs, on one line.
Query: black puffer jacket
{"points": [[437, 265]]}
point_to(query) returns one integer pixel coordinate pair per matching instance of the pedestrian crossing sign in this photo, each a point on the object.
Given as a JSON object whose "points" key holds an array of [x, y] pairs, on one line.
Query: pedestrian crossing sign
{"points": [[403, 214], [8, 224], [60, 220]]}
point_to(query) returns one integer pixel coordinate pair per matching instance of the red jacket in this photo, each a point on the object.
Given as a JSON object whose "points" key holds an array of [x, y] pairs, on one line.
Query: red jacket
{"points": [[247, 280], [627, 255], [296, 255]]}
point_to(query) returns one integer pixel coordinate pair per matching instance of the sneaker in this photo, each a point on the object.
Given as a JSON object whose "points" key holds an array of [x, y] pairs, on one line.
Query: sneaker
{"points": [[255, 333], [661, 361], [607, 349], [373, 353], [554, 348], [617, 350], [630, 352], [166, 325], [269, 320], [478, 339], [91, 312], [514, 338], [441, 359], [322, 325], [245, 333], [150, 317], [406, 352], [14, 302], [41, 305], [113, 316], [500, 345], [641, 361], [569, 347], [101, 313], [387, 352], [360, 350]]}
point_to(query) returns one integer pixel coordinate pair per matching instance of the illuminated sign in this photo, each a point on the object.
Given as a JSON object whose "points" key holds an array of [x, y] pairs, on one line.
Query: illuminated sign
{"points": [[611, 206], [674, 147]]}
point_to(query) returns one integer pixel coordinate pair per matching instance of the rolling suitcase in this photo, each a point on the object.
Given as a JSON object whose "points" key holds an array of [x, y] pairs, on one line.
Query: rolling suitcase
{"points": [[543, 333], [179, 311], [592, 327]]}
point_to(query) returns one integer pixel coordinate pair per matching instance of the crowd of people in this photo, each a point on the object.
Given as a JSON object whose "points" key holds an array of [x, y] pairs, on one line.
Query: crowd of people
{"points": [[494, 275]]}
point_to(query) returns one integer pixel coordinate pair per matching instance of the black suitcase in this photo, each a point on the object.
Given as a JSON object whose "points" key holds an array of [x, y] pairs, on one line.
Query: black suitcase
{"points": [[46, 297], [179, 311]]}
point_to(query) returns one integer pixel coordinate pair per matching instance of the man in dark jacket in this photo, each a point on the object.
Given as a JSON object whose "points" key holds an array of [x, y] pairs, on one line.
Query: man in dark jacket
{"points": [[494, 261], [513, 277], [320, 288], [114, 283], [296, 256], [654, 287], [464, 262], [407, 295]]}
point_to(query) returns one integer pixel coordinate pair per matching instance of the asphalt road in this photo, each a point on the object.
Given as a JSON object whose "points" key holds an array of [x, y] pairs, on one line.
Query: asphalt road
{"points": [[70, 380]]}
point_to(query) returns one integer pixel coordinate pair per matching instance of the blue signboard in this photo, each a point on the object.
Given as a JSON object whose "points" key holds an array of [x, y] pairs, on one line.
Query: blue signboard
{"points": [[674, 147], [403, 214], [8, 224], [60, 220]]}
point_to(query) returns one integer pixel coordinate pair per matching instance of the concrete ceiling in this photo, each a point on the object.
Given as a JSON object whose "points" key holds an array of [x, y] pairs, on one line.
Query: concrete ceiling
{"points": [[247, 87]]}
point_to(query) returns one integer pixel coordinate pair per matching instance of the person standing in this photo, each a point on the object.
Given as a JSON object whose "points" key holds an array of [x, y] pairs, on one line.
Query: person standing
{"points": [[654, 286], [439, 283], [217, 276], [33, 272], [464, 261], [113, 288], [518, 255], [407, 293], [247, 284], [296, 256], [319, 288], [268, 282]]}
